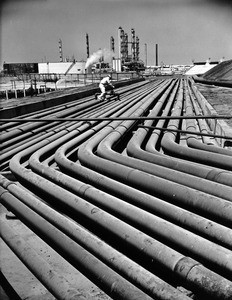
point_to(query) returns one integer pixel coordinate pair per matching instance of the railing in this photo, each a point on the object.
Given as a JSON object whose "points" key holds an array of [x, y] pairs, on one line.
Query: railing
{"points": [[30, 84]]}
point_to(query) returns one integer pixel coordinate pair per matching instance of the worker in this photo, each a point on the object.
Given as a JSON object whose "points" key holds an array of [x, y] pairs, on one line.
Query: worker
{"points": [[105, 82]]}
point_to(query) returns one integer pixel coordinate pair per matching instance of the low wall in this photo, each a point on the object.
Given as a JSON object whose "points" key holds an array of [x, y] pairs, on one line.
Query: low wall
{"points": [[33, 106]]}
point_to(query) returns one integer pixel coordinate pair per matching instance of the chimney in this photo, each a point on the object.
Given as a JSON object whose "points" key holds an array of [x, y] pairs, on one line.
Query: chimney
{"points": [[156, 55], [87, 44], [60, 50]]}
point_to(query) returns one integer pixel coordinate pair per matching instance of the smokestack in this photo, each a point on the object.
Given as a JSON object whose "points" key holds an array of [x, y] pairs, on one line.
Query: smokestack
{"points": [[156, 55], [126, 45], [137, 49], [60, 50], [145, 54], [119, 42], [87, 44], [133, 44], [112, 43], [122, 45]]}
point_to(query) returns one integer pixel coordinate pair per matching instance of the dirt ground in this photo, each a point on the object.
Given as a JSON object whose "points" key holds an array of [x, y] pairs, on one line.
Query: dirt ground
{"points": [[220, 99]]}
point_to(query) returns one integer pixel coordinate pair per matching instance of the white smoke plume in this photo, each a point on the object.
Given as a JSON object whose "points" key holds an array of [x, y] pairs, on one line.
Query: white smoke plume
{"points": [[106, 53]]}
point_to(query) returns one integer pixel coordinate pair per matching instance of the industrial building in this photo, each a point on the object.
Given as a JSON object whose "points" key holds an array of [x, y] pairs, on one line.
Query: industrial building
{"points": [[127, 59]]}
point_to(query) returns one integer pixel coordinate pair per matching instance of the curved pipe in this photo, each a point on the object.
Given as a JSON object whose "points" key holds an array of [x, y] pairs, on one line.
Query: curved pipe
{"points": [[167, 190], [216, 126], [170, 258], [192, 141], [172, 148], [134, 149], [136, 217], [193, 222], [187, 269], [199, 170], [145, 280], [8, 152]]}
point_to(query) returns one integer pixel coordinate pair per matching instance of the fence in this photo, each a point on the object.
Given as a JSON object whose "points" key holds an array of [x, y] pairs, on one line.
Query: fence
{"points": [[29, 84]]}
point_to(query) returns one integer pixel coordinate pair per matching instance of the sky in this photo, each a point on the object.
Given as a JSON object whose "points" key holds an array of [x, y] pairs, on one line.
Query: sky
{"points": [[185, 30]]}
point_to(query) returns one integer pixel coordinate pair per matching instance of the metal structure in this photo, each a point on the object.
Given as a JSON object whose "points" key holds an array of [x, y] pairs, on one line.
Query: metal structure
{"points": [[130, 60], [60, 50], [87, 45], [145, 50], [112, 44], [156, 55], [126, 192]]}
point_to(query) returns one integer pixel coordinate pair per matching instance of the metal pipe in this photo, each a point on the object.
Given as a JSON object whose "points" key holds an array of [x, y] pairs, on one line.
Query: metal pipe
{"points": [[7, 153], [193, 142], [171, 212], [134, 238], [112, 283], [207, 108], [55, 283], [7, 288], [119, 118], [188, 132], [147, 281], [170, 147], [77, 197]]}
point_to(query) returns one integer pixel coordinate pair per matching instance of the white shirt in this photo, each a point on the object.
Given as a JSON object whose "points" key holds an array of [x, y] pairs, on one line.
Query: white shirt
{"points": [[105, 81]]}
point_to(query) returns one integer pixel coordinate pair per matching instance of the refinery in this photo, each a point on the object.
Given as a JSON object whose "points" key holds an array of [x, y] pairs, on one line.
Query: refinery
{"points": [[119, 198]]}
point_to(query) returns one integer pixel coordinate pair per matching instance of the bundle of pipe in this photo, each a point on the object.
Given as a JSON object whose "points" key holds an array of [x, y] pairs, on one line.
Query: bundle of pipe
{"points": [[143, 213]]}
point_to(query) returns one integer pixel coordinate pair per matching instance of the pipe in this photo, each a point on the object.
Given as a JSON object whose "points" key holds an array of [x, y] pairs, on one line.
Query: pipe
{"points": [[77, 197], [171, 148], [145, 280], [192, 142], [119, 118], [112, 283], [207, 108], [7, 289], [134, 238], [184, 218], [191, 132], [14, 147], [55, 283], [140, 219]]}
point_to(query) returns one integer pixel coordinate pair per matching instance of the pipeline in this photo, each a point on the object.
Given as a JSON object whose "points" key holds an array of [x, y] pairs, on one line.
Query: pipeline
{"points": [[152, 155], [214, 125], [184, 218], [10, 151], [110, 224], [192, 142], [105, 150], [195, 133], [132, 271], [55, 283], [139, 219], [169, 145], [112, 283]]}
